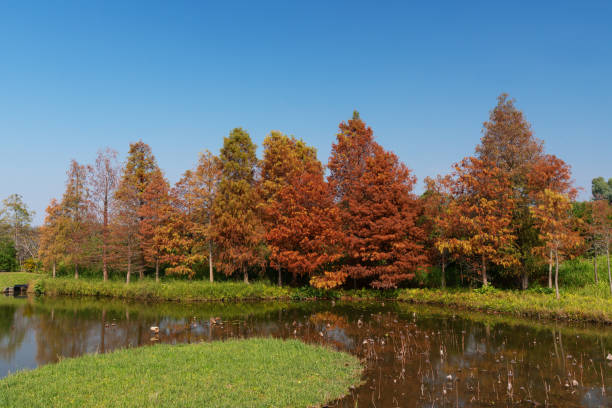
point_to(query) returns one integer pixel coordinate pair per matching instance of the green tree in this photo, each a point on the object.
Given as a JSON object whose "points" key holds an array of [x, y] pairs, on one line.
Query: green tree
{"points": [[137, 174], [8, 255], [238, 231], [601, 189]]}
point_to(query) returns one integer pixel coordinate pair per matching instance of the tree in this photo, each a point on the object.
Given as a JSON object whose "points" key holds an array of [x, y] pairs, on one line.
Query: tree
{"points": [[16, 215], [153, 214], [238, 231], [378, 211], [509, 144], [601, 189], [103, 179], [602, 228], [136, 176], [480, 210], [284, 158], [206, 183], [553, 174], [76, 208], [439, 227], [302, 224], [188, 232], [8, 255], [553, 217], [53, 236]]}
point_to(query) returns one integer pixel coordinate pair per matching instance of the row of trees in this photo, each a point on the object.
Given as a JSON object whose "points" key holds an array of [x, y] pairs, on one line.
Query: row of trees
{"points": [[506, 210]]}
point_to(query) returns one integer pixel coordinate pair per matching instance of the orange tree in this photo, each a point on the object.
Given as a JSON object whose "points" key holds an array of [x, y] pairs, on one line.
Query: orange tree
{"points": [[381, 241], [480, 212], [553, 218]]}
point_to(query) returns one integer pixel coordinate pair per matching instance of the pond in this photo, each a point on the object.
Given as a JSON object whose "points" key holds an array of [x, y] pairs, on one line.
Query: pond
{"points": [[415, 356]]}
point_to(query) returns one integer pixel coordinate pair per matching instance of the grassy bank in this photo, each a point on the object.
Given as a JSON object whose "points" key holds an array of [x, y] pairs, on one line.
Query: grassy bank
{"points": [[591, 302], [243, 373], [571, 306], [173, 290], [17, 278]]}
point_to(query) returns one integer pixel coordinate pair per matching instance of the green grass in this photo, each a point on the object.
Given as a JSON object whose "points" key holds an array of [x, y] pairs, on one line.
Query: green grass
{"points": [[234, 373], [17, 278], [175, 290], [571, 306]]}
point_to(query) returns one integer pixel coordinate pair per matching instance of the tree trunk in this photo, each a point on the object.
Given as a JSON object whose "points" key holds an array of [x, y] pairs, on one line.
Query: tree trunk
{"points": [[484, 272], [595, 268], [54, 268], [157, 270], [105, 238], [129, 267], [76, 271], [609, 275], [246, 276], [280, 281], [443, 276], [550, 265], [210, 262], [557, 272], [525, 281], [141, 272]]}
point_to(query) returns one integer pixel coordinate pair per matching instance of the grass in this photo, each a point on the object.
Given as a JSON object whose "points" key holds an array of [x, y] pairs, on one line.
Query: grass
{"points": [[173, 290], [571, 306], [16, 278], [234, 373]]}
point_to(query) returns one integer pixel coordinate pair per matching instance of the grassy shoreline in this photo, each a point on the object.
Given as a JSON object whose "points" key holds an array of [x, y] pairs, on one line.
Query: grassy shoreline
{"points": [[573, 305], [258, 372]]}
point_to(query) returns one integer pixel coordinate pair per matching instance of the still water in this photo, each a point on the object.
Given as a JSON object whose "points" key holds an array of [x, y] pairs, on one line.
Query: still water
{"points": [[415, 356]]}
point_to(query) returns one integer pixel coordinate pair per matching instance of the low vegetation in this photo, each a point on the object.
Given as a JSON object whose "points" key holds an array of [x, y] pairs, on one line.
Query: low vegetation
{"points": [[174, 290], [539, 303], [235, 373]]}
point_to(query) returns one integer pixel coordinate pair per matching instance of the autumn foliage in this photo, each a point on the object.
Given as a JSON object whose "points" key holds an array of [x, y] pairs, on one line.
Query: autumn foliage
{"points": [[504, 213]]}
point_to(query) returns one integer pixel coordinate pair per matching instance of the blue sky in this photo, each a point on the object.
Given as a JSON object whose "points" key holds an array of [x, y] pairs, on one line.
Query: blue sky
{"points": [[78, 76]]}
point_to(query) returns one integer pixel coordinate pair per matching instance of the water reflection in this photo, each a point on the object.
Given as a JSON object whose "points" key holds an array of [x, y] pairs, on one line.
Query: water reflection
{"points": [[413, 356]]}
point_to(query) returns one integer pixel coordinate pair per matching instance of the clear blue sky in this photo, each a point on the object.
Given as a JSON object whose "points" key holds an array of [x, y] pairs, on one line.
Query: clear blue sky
{"points": [[77, 76]]}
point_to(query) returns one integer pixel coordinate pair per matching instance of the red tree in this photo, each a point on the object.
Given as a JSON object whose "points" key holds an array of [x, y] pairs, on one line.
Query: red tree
{"points": [[378, 211]]}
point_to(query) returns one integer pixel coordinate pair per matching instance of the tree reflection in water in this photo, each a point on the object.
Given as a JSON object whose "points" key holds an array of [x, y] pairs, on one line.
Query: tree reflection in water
{"points": [[414, 355]]}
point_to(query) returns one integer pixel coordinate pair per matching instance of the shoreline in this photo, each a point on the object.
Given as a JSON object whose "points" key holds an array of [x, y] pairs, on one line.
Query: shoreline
{"points": [[570, 307]]}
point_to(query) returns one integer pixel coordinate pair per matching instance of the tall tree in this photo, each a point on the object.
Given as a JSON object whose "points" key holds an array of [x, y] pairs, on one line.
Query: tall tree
{"points": [[553, 217], [480, 212], [103, 180], [509, 144], [153, 215], [553, 174], [53, 244], [136, 176], [283, 158], [302, 224], [189, 230], [238, 231], [76, 208], [206, 183], [382, 242], [437, 222], [16, 215]]}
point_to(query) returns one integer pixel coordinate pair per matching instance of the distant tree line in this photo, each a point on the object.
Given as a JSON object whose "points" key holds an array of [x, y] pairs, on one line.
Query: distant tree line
{"points": [[507, 213]]}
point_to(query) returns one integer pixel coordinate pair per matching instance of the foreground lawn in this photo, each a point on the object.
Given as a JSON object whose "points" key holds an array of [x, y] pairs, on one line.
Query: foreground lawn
{"points": [[519, 303], [235, 373]]}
